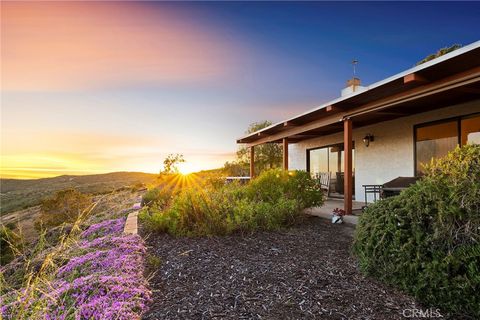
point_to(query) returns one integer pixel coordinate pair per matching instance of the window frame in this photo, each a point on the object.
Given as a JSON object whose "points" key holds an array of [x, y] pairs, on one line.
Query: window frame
{"points": [[457, 119], [322, 147]]}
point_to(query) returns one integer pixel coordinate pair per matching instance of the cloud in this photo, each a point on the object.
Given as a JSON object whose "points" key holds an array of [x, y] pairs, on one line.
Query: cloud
{"points": [[75, 45]]}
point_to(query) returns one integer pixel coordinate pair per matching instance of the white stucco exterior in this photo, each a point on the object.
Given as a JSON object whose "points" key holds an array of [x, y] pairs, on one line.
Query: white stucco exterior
{"points": [[391, 154]]}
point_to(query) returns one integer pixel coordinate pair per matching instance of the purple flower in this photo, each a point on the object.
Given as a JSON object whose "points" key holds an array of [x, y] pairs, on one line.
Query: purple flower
{"points": [[103, 280], [106, 227]]}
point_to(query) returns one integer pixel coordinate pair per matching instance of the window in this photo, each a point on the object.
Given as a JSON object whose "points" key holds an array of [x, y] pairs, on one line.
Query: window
{"points": [[329, 159], [437, 139], [318, 160], [470, 130]]}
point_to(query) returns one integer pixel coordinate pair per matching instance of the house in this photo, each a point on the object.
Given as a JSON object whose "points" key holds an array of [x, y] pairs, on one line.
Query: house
{"points": [[371, 135]]}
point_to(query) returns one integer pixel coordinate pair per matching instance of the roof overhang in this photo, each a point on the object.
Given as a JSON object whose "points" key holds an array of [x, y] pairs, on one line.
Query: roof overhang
{"points": [[450, 79]]}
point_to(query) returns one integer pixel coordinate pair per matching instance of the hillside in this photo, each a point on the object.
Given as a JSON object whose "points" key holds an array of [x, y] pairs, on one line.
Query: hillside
{"points": [[19, 194]]}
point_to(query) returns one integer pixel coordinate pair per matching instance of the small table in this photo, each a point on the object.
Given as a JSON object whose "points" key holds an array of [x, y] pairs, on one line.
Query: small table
{"points": [[372, 189]]}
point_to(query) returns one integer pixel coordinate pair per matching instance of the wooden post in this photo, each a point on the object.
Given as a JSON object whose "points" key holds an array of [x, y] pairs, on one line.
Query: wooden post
{"points": [[285, 154], [252, 162], [348, 180]]}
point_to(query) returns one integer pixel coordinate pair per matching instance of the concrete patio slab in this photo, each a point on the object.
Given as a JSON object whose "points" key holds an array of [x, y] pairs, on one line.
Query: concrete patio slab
{"points": [[326, 210]]}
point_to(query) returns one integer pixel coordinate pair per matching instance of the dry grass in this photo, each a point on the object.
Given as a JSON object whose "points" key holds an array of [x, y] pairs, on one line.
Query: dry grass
{"points": [[30, 275]]}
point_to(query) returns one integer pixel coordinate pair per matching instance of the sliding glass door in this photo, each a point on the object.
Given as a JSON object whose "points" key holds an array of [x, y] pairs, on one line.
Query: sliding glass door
{"points": [[329, 160]]}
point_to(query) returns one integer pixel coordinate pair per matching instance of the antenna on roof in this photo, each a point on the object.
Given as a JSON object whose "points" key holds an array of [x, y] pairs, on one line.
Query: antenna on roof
{"points": [[354, 65], [353, 84]]}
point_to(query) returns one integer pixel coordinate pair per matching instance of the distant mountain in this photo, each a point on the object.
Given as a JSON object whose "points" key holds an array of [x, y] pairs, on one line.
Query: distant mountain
{"points": [[18, 194]]}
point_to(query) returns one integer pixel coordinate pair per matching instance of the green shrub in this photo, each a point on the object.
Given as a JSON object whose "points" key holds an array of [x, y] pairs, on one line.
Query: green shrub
{"points": [[276, 184], [10, 243], [273, 200], [64, 207], [427, 240], [157, 196]]}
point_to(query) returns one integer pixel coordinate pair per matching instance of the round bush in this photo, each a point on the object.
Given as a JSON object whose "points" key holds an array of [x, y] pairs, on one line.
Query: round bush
{"points": [[275, 184], [426, 241]]}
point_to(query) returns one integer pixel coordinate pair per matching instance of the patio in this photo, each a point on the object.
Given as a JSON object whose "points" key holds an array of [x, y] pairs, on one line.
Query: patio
{"points": [[330, 204]]}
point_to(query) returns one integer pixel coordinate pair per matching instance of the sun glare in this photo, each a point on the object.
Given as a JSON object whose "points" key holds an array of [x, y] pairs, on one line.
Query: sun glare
{"points": [[186, 168]]}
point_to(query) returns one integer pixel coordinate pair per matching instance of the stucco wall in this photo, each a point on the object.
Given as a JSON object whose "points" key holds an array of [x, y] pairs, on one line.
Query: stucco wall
{"points": [[389, 156]]}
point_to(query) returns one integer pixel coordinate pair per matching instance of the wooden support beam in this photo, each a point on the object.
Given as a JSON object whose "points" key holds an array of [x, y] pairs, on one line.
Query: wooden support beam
{"points": [[330, 108], [465, 78], [285, 154], [414, 77], [472, 90], [348, 173], [334, 118], [307, 134], [392, 113], [252, 162]]}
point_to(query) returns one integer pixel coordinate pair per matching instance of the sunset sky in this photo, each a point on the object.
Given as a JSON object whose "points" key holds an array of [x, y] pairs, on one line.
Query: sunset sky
{"points": [[98, 87]]}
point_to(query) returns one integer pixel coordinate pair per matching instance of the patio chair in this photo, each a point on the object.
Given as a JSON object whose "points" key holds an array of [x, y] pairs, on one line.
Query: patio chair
{"points": [[323, 179]]}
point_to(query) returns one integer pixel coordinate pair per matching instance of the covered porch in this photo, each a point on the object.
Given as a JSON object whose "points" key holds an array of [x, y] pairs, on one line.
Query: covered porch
{"points": [[326, 210], [449, 80]]}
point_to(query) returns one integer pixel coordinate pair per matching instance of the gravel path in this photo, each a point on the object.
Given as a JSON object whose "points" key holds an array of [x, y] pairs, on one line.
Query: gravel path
{"points": [[303, 272]]}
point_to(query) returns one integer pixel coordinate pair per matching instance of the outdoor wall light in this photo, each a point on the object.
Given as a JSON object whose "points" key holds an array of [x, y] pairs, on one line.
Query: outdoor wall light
{"points": [[368, 138]]}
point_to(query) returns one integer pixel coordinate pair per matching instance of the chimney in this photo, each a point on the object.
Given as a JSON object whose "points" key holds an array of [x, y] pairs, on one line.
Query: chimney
{"points": [[353, 85]]}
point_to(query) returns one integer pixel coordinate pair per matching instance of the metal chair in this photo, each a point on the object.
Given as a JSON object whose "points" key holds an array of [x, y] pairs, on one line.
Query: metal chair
{"points": [[372, 189]]}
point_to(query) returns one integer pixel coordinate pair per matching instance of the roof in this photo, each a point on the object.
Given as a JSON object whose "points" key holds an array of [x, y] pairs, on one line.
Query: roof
{"points": [[459, 61]]}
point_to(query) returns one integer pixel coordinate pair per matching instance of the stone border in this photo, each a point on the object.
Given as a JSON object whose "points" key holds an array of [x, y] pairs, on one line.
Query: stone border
{"points": [[131, 225]]}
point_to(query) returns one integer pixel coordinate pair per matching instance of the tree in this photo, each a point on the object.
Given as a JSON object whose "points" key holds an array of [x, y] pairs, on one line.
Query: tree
{"points": [[64, 206], [236, 169], [267, 156], [171, 162], [439, 53], [10, 243]]}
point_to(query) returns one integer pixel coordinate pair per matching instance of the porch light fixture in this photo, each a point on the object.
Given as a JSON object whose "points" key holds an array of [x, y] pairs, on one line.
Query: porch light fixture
{"points": [[368, 138]]}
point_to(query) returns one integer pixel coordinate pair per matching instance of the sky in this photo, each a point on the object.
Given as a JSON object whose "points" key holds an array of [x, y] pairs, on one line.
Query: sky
{"points": [[94, 87]]}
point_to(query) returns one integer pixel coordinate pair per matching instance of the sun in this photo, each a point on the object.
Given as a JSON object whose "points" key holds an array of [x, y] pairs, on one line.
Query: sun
{"points": [[186, 168]]}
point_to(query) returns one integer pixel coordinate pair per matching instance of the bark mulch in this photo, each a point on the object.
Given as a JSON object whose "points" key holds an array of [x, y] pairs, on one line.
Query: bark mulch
{"points": [[303, 272]]}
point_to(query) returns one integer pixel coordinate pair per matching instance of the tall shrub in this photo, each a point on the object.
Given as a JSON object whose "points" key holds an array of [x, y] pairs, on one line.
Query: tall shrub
{"points": [[10, 242], [427, 240], [64, 206]]}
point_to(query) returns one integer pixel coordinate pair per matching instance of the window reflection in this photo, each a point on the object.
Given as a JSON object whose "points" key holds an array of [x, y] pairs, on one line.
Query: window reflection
{"points": [[470, 130], [330, 160], [435, 141]]}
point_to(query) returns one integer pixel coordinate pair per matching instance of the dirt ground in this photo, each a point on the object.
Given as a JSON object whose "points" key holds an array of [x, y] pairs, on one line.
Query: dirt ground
{"points": [[303, 272]]}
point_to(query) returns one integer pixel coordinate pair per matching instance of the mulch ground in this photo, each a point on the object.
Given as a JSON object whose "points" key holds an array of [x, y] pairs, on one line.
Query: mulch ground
{"points": [[303, 272]]}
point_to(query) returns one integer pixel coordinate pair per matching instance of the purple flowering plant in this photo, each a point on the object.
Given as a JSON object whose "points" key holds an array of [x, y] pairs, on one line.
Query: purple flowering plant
{"points": [[103, 279], [103, 228]]}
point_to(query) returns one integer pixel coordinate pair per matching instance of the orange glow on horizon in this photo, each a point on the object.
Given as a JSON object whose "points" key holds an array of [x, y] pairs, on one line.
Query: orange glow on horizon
{"points": [[59, 61]]}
